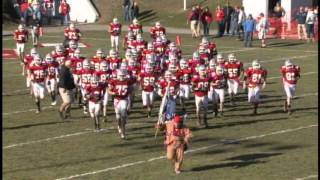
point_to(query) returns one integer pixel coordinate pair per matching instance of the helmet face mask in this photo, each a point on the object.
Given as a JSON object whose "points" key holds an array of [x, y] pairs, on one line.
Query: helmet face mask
{"points": [[168, 75], [33, 52], [202, 50], [150, 46], [86, 64], [172, 68], [139, 38], [219, 70], [77, 53], [49, 59], [104, 66], [71, 26], [112, 53], [59, 49], [21, 27], [135, 21], [115, 20], [196, 55], [288, 64], [37, 60], [183, 64], [157, 24], [121, 75], [212, 64], [256, 64], [73, 44], [131, 62], [202, 71], [231, 58], [149, 68]]}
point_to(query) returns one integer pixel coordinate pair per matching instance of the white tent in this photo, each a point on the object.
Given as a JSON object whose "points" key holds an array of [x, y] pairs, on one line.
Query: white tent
{"points": [[82, 11]]}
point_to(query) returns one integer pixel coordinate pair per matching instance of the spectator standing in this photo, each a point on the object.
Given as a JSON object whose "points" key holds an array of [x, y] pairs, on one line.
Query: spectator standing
{"points": [[228, 10], [241, 19], [206, 19], [48, 10], [64, 10], [66, 86], [193, 19], [234, 21], [21, 7], [131, 10], [199, 11], [125, 6], [220, 21], [262, 28], [278, 13], [135, 10], [301, 21], [310, 21], [35, 10], [249, 28]]}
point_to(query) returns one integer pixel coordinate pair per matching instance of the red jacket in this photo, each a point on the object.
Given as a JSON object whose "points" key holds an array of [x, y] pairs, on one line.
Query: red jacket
{"points": [[64, 9], [206, 17], [219, 15]]}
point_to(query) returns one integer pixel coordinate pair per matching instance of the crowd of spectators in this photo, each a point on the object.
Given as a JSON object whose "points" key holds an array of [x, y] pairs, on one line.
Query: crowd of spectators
{"points": [[231, 21], [33, 12], [130, 10]]}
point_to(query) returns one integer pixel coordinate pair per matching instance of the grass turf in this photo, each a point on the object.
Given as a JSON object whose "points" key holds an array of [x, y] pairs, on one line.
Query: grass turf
{"points": [[55, 149]]}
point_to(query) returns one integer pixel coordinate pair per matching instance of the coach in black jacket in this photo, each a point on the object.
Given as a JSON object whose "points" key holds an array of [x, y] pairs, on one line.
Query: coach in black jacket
{"points": [[66, 86]]}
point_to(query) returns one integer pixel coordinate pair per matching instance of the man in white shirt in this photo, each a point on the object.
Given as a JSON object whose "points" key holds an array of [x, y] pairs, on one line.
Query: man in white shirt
{"points": [[241, 19], [310, 21], [262, 28]]}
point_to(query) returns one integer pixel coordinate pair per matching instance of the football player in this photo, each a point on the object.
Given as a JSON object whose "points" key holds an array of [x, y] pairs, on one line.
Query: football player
{"points": [[220, 60], [157, 30], [38, 73], [114, 60], [140, 43], [185, 74], [51, 81], [97, 59], [94, 94], [21, 37], [85, 76], [71, 33], [290, 76], [104, 75], [59, 54], [147, 81], [200, 86], [36, 32], [120, 89], [115, 31], [76, 67], [135, 27], [27, 60], [218, 84], [73, 45], [234, 69], [256, 78]]}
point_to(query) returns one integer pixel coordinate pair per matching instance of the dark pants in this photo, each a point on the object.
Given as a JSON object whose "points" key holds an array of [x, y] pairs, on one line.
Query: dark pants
{"points": [[227, 25], [206, 27], [220, 28], [248, 39], [240, 31], [310, 30]]}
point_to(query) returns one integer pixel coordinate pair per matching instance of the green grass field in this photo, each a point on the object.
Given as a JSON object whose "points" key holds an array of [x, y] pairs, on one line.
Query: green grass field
{"points": [[270, 145]]}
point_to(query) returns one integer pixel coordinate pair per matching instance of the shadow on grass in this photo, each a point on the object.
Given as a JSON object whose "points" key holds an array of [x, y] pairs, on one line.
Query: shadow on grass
{"points": [[147, 14], [32, 125], [238, 161], [285, 44]]}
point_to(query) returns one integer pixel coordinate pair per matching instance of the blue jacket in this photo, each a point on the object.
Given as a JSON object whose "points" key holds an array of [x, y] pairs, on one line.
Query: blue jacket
{"points": [[301, 17], [249, 25]]}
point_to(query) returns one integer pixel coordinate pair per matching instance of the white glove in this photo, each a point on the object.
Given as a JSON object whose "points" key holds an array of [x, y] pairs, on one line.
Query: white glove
{"points": [[264, 85]]}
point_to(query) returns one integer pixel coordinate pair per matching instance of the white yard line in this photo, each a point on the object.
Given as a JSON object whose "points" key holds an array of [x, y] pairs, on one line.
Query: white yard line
{"points": [[308, 177], [74, 134], [189, 151], [62, 136]]}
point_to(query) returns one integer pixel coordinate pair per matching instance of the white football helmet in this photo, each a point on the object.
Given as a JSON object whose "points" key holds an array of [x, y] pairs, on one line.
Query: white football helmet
{"points": [[49, 58], [172, 46], [139, 37], [37, 59], [86, 64], [158, 40], [124, 66], [73, 44], [135, 21], [134, 53], [212, 64], [112, 53], [158, 24], [130, 35], [94, 81], [21, 27], [132, 62], [167, 75], [196, 55], [231, 58], [288, 63], [77, 53], [204, 41], [149, 68], [104, 66], [202, 70], [256, 64], [150, 46], [33, 51], [121, 74], [202, 50], [219, 70], [220, 59], [183, 64], [71, 26], [115, 20], [172, 67], [59, 49], [100, 53]]}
